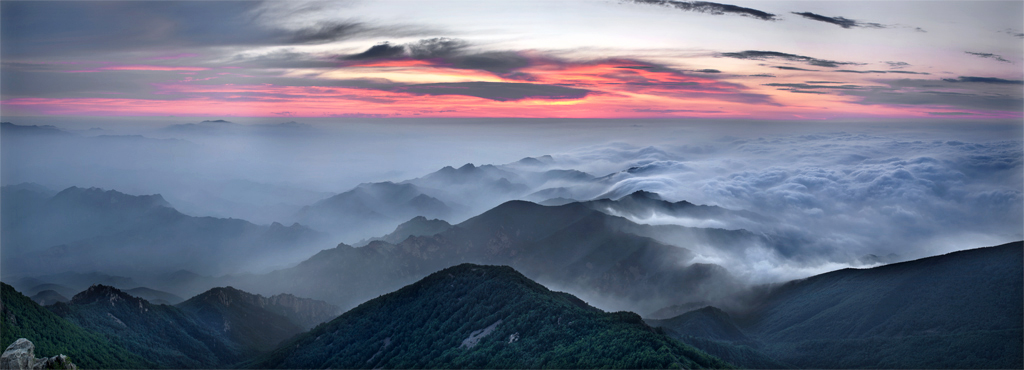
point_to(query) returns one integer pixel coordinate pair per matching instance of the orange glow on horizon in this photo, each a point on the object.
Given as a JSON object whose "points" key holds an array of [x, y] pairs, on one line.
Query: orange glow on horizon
{"points": [[544, 88]]}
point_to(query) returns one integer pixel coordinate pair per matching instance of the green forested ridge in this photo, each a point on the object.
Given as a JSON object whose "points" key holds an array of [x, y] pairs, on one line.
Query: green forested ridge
{"points": [[428, 324], [20, 317], [162, 334]]}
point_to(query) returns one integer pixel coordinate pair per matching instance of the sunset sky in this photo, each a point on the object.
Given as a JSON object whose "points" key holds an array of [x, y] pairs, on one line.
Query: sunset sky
{"points": [[540, 59]]}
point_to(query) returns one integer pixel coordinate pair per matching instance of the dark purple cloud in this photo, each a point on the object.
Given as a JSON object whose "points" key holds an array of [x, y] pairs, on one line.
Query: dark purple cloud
{"points": [[765, 55], [711, 8], [989, 56], [839, 21]]}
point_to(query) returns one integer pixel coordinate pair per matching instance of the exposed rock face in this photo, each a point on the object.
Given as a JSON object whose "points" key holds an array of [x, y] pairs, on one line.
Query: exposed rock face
{"points": [[20, 355]]}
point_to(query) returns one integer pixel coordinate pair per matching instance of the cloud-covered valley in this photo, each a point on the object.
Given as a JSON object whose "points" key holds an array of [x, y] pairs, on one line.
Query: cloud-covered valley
{"points": [[818, 198]]}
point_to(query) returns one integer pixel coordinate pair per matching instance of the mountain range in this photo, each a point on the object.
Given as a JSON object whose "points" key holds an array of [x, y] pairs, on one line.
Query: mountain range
{"points": [[573, 247], [472, 316], [415, 280], [105, 327], [92, 229], [959, 310]]}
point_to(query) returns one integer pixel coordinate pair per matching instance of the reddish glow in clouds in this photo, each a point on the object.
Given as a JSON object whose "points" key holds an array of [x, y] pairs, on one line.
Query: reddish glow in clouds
{"points": [[615, 89]]}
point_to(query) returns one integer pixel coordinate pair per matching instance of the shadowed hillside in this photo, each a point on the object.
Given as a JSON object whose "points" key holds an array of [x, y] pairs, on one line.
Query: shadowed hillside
{"points": [[471, 316]]}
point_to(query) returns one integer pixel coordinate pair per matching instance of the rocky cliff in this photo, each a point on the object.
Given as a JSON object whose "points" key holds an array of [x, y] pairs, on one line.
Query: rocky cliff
{"points": [[21, 355]]}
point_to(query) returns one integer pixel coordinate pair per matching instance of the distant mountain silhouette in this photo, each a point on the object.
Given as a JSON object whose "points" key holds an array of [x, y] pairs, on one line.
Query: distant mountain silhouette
{"points": [[417, 226], [92, 229], [471, 316], [644, 204], [371, 209], [48, 297], [11, 129]]}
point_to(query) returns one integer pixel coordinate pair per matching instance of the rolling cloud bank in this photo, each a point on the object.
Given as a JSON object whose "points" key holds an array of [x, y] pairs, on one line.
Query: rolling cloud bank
{"points": [[807, 199]]}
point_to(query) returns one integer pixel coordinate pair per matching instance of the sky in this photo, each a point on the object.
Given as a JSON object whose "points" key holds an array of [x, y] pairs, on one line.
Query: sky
{"points": [[797, 60]]}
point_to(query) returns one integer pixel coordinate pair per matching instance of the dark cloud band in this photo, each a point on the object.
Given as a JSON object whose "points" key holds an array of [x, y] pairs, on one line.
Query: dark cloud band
{"points": [[839, 21], [711, 8], [989, 56], [765, 55]]}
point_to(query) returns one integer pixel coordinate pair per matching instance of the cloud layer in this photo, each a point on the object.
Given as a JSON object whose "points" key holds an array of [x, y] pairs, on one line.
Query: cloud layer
{"points": [[835, 197]]}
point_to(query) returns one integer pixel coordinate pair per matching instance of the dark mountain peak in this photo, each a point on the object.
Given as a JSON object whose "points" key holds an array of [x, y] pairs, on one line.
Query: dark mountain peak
{"points": [[9, 128], [641, 194], [529, 161], [99, 197], [388, 188], [100, 293], [216, 121], [533, 161], [707, 322], [420, 222], [713, 312], [467, 167], [494, 317], [424, 199], [228, 295], [417, 226]]}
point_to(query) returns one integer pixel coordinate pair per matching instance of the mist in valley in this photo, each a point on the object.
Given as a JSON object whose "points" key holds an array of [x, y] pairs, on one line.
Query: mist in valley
{"points": [[785, 200]]}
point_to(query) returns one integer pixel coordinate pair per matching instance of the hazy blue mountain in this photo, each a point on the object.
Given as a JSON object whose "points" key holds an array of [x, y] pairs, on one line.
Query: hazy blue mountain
{"points": [[644, 205], [20, 317], [450, 193], [70, 283], [371, 209], [573, 247], [478, 176], [471, 316], [959, 310], [104, 230], [207, 127], [225, 127], [417, 226], [56, 288], [48, 297], [11, 129], [165, 335], [155, 296]]}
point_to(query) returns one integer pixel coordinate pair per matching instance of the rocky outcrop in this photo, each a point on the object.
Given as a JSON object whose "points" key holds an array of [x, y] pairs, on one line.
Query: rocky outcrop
{"points": [[20, 355]]}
